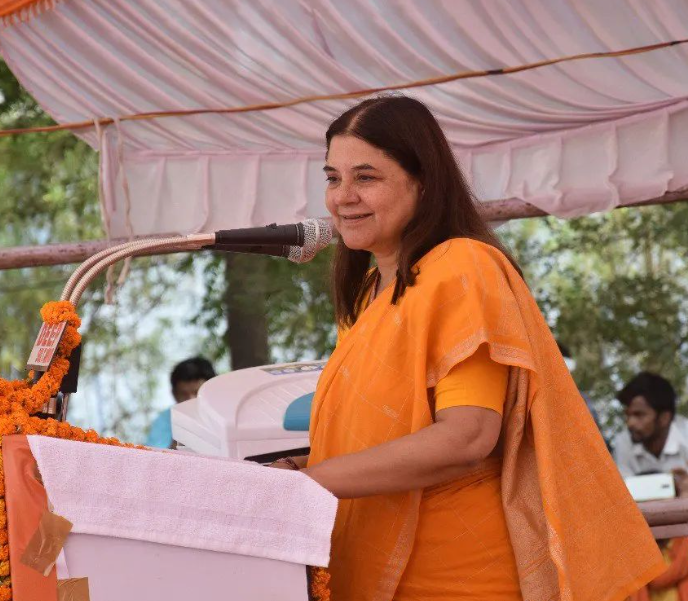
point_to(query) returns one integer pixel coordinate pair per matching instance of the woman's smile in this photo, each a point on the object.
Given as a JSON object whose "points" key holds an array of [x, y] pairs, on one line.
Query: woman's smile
{"points": [[355, 219]]}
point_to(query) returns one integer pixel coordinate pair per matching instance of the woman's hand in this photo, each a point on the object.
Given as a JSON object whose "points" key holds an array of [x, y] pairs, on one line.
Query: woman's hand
{"points": [[282, 465], [290, 463]]}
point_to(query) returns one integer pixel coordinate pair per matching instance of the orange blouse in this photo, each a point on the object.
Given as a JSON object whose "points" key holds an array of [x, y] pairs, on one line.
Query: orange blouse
{"points": [[477, 381]]}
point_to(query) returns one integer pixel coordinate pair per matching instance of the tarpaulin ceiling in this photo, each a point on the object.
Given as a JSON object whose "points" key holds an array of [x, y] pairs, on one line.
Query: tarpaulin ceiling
{"points": [[571, 138]]}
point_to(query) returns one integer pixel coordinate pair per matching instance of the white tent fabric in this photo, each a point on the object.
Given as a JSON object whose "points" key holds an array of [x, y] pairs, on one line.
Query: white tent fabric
{"points": [[573, 138]]}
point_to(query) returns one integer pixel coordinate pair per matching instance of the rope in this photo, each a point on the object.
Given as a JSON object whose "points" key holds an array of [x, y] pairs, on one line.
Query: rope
{"points": [[344, 95]]}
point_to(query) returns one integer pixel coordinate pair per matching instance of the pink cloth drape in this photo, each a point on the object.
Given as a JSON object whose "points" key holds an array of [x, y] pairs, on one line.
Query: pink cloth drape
{"points": [[572, 138]]}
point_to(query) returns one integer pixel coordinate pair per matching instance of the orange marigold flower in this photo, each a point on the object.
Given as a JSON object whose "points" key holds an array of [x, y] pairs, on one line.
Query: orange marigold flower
{"points": [[64, 430], [77, 434], [319, 584], [57, 311]]}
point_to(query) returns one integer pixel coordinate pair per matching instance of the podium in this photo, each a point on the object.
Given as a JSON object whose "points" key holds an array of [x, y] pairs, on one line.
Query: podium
{"points": [[214, 549]]}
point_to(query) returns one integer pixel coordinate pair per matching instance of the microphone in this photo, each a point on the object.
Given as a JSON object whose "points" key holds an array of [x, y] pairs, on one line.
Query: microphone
{"points": [[294, 234], [274, 250], [298, 242]]}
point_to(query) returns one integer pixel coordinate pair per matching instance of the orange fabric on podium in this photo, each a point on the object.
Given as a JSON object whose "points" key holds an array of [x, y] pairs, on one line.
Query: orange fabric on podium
{"points": [[575, 531], [26, 501]]}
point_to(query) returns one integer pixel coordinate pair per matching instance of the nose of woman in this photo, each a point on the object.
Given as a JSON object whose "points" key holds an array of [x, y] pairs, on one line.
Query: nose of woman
{"points": [[345, 194]]}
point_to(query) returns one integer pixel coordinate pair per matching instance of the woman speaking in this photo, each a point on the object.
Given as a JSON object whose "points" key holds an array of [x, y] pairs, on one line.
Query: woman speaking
{"points": [[446, 421]]}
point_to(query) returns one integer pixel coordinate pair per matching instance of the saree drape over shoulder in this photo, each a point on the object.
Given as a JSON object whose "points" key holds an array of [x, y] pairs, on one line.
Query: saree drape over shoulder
{"points": [[575, 531]]}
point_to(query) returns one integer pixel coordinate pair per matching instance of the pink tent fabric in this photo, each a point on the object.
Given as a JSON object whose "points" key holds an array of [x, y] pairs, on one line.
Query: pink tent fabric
{"points": [[571, 139]]}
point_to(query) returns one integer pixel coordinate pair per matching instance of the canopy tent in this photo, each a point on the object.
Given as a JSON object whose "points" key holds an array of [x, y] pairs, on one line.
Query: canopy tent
{"points": [[571, 138]]}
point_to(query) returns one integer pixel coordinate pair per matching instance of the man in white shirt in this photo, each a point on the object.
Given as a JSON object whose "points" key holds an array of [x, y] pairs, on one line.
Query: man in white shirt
{"points": [[656, 439]]}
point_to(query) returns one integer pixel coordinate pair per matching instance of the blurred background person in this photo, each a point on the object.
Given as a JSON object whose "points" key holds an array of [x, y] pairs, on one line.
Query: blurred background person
{"points": [[186, 378], [656, 441], [655, 438]]}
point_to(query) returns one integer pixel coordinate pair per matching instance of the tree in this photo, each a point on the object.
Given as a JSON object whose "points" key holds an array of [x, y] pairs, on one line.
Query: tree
{"points": [[48, 193], [290, 303], [614, 289], [39, 177]]}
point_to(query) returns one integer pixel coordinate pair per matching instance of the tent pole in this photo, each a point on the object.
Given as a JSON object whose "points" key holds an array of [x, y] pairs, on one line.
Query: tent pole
{"points": [[62, 254], [506, 210]]}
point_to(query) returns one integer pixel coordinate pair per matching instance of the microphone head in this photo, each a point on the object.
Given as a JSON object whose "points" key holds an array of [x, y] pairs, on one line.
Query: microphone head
{"points": [[317, 235]]}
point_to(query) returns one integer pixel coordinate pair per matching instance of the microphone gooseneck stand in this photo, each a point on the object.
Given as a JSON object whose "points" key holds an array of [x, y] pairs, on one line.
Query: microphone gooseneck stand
{"points": [[297, 242], [57, 406]]}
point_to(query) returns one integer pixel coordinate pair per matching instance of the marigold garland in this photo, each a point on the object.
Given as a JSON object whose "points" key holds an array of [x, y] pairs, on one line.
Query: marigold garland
{"points": [[319, 585], [19, 402]]}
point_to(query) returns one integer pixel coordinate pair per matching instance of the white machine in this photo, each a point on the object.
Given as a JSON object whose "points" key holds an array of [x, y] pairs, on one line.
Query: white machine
{"points": [[259, 413]]}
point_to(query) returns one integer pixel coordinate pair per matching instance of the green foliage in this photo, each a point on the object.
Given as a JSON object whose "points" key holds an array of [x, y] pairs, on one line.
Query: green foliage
{"points": [[48, 194], [614, 290], [47, 187], [299, 309]]}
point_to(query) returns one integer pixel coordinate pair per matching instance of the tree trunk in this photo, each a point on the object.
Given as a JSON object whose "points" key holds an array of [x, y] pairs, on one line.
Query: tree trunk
{"points": [[246, 309]]}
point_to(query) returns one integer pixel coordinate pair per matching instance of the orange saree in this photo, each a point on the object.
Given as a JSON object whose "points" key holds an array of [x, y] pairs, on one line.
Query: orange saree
{"points": [[574, 531]]}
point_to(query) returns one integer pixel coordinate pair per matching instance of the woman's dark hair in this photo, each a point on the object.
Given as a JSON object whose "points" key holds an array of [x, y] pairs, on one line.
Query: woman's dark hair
{"points": [[656, 390], [406, 131]]}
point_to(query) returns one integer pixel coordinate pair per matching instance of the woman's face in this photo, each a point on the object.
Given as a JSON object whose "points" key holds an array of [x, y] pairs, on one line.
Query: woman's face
{"points": [[371, 198]]}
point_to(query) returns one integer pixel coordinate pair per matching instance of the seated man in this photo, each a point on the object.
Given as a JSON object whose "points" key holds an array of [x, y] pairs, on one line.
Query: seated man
{"points": [[186, 378], [656, 440]]}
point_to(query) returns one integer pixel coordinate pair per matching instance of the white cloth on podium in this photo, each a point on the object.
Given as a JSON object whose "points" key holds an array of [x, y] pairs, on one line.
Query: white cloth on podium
{"points": [[187, 500]]}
